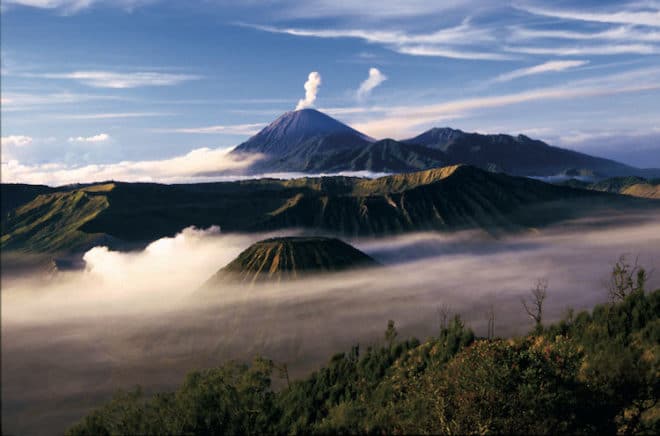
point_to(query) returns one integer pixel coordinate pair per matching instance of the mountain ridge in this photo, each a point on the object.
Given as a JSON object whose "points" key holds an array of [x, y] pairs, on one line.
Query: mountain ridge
{"points": [[311, 141], [442, 199]]}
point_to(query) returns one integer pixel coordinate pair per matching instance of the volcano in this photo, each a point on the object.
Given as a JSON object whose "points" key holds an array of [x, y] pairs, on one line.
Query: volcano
{"points": [[288, 258]]}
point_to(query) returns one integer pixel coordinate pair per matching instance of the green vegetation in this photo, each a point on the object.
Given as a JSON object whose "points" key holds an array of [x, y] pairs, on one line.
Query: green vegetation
{"points": [[444, 199], [594, 373], [53, 222]]}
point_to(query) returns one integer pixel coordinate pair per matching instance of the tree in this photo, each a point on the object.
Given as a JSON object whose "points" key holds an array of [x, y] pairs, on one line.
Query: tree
{"points": [[490, 316], [443, 315], [626, 278], [390, 333], [534, 307]]}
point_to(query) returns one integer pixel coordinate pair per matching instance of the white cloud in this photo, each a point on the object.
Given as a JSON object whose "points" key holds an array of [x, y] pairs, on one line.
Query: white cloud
{"points": [[236, 129], [433, 51], [375, 10], [448, 42], [72, 6], [20, 101], [619, 33], [16, 141], [311, 89], [101, 137], [634, 17], [375, 78], [110, 79], [551, 66], [111, 115], [194, 166], [598, 50]]}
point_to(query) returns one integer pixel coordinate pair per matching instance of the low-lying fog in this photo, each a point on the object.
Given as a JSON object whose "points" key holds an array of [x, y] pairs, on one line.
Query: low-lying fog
{"points": [[70, 341]]}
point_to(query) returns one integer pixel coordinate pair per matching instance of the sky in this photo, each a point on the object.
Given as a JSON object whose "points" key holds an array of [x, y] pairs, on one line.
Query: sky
{"points": [[160, 90]]}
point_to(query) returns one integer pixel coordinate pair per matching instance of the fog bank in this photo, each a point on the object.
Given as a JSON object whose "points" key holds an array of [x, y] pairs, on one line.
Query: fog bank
{"points": [[70, 342]]}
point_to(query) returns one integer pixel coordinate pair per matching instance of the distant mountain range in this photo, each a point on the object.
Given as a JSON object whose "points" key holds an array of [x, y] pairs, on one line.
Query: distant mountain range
{"points": [[125, 215], [310, 141]]}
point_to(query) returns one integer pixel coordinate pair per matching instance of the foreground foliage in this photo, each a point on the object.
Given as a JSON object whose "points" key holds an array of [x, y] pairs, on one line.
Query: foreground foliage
{"points": [[595, 373]]}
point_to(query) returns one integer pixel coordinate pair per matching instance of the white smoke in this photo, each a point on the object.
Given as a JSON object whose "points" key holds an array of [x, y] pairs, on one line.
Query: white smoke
{"points": [[375, 78], [311, 89]]}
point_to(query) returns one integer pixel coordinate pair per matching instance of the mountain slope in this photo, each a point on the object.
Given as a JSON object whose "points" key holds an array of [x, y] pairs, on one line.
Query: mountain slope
{"points": [[291, 129], [53, 222], [444, 199], [633, 186], [286, 258], [296, 139], [13, 195], [310, 141], [518, 155]]}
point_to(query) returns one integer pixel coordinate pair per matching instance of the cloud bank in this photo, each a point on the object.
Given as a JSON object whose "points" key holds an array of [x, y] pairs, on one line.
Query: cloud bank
{"points": [[16, 141], [311, 89], [193, 166], [134, 318]]}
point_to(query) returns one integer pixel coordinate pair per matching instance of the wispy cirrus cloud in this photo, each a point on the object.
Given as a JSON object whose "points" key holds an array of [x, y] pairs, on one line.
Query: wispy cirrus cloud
{"points": [[73, 6], [117, 80], [20, 100], [101, 137], [625, 14], [373, 9], [546, 67], [451, 42], [598, 50], [231, 129], [111, 115], [618, 33]]}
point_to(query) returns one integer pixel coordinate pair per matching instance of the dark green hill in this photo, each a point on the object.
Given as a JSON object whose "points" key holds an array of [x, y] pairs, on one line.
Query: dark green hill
{"points": [[13, 195], [288, 258], [445, 199]]}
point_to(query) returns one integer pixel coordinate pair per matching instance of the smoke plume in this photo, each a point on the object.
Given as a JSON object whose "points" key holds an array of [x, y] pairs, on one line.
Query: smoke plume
{"points": [[375, 78], [311, 89]]}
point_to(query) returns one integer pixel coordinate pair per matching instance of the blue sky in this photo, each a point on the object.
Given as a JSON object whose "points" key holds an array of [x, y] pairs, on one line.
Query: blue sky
{"points": [[157, 90]]}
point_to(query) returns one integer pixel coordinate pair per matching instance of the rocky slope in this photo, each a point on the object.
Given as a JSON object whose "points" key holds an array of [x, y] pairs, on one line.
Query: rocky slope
{"points": [[287, 258]]}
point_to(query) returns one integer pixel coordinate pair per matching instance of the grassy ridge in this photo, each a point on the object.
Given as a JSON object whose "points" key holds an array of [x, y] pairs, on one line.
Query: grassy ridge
{"points": [[446, 199], [52, 222]]}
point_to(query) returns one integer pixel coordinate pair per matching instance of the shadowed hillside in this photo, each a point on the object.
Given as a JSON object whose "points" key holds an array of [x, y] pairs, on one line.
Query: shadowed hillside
{"points": [[288, 258], [633, 186]]}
